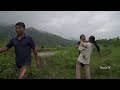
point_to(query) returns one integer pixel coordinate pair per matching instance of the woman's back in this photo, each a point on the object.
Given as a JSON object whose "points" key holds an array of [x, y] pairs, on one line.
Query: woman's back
{"points": [[88, 50]]}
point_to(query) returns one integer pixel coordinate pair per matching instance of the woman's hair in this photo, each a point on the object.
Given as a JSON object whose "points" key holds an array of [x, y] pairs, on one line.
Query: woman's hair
{"points": [[92, 40]]}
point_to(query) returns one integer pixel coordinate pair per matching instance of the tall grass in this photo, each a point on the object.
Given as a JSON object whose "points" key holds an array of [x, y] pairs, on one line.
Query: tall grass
{"points": [[62, 65]]}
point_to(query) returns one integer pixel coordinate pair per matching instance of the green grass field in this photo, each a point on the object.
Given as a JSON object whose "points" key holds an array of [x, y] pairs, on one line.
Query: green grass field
{"points": [[62, 65], [116, 51]]}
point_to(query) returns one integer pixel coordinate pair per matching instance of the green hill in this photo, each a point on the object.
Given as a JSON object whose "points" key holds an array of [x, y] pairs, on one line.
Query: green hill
{"points": [[40, 37]]}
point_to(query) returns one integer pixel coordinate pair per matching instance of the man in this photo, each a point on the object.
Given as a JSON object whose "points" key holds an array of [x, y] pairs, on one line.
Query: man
{"points": [[23, 45]]}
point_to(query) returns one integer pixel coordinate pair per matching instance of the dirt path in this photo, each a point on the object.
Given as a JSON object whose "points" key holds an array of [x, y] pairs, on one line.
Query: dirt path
{"points": [[46, 54]]}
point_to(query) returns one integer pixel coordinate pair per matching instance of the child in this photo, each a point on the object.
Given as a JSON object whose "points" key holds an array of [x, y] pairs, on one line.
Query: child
{"points": [[82, 48]]}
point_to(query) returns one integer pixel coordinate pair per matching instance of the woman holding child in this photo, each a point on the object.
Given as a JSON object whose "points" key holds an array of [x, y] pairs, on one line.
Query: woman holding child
{"points": [[85, 47]]}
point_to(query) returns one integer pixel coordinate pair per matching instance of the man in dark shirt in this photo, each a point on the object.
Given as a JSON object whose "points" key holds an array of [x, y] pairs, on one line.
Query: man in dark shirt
{"points": [[23, 45]]}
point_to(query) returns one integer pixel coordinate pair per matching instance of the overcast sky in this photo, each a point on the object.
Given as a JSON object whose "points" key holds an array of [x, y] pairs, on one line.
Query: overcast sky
{"points": [[68, 24]]}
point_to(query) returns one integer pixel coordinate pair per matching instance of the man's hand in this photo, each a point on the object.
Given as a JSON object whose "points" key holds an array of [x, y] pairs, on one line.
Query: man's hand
{"points": [[38, 63], [3, 49], [36, 57]]}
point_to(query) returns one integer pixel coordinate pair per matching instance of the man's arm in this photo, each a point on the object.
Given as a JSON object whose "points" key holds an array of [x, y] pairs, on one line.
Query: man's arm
{"points": [[4, 49], [8, 46], [37, 58]]}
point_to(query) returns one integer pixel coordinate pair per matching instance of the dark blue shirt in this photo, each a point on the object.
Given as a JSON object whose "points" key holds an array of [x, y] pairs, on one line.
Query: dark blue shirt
{"points": [[22, 50]]}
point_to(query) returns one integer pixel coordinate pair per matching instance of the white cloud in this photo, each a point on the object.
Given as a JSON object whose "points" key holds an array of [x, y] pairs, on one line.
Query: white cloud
{"points": [[69, 24]]}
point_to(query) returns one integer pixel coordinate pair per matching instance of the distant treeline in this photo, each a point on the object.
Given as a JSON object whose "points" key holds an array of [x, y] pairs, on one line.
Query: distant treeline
{"points": [[109, 42]]}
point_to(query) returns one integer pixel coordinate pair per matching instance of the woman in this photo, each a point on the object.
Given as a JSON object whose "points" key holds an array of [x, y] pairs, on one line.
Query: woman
{"points": [[84, 57]]}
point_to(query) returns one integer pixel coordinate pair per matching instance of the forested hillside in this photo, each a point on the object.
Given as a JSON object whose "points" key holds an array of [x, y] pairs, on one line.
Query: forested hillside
{"points": [[41, 38]]}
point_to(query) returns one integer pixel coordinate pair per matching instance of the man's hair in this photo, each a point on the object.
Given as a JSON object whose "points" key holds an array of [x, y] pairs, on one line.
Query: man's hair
{"points": [[20, 24]]}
